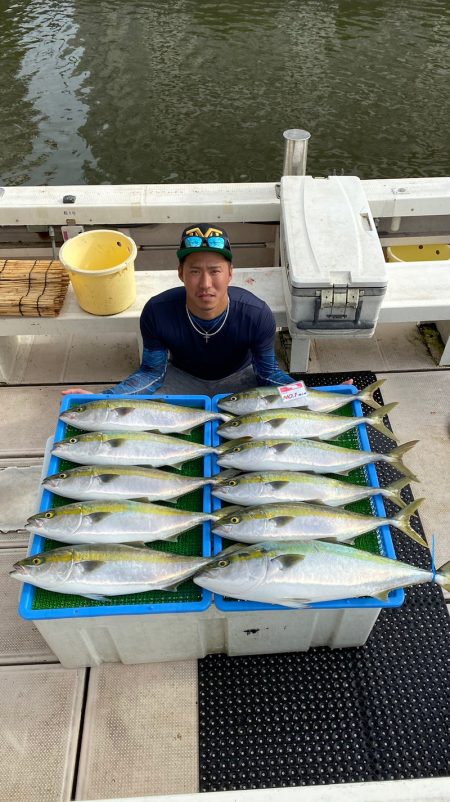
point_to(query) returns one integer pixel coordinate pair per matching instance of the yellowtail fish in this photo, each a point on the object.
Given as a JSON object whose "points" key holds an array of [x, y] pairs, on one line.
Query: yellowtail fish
{"points": [[89, 483], [295, 574], [270, 487], [304, 455], [99, 571], [114, 522], [262, 398], [303, 521], [130, 448], [301, 423], [137, 415]]}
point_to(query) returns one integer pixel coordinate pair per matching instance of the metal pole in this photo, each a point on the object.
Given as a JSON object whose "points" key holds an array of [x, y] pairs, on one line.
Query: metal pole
{"points": [[295, 151]]}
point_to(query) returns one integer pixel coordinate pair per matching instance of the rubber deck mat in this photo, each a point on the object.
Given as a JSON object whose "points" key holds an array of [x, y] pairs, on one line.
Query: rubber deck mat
{"points": [[376, 712]]}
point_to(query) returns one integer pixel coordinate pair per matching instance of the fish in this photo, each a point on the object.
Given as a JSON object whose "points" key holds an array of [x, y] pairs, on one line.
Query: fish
{"points": [[262, 398], [268, 487], [300, 423], [114, 522], [137, 415], [98, 571], [296, 574], [301, 521], [95, 482], [129, 448], [304, 455]]}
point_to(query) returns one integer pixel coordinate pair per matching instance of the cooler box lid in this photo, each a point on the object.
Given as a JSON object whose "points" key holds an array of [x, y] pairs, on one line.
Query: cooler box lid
{"points": [[328, 234]]}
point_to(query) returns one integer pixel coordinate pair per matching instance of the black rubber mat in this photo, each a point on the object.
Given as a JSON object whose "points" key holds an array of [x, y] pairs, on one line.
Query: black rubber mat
{"points": [[377, 712]]}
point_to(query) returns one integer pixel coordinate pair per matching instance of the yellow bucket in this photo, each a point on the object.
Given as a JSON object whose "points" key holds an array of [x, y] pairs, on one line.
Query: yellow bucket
{"points": [[418, 253], [101, 268]]}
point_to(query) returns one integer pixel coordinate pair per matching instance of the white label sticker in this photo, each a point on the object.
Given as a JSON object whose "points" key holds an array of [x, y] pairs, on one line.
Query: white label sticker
{"points": [[295, 390]]}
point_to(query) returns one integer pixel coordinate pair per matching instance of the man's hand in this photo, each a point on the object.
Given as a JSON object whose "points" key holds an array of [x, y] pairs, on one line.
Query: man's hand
{"points": [[76, 391], [348, 381]]}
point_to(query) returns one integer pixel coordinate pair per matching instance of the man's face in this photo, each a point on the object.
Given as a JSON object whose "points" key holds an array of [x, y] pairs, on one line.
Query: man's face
{"points": [[206, 276]]}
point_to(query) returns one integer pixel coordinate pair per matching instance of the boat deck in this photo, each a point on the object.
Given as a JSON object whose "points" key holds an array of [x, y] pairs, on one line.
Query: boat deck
{"points": [[125, 731]]}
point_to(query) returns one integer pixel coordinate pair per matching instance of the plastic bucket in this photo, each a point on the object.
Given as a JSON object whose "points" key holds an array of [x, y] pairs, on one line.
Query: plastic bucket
{"points": [[101, 268], [418, 253]]}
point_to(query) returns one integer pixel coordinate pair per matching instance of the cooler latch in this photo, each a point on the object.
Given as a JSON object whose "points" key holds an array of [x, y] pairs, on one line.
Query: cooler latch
{"points": [[338, 302]]}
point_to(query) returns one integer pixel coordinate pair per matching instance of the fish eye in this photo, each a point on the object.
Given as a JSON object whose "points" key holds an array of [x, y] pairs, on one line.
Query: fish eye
{"points": [[73, 440], [80, 409], [236, 449], [233, 398], [62, 476], [235, 519], [235, 423], [36, 561], [233, 483], [223, 563], [49, 514]]}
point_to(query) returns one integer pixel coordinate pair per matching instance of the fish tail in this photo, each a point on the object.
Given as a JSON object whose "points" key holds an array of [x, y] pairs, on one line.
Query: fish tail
{"points": [[401, 521], [226, 445], [393, 491], [394, 457], [444, 575], [366, 394], [375, 419], [223, 476]]}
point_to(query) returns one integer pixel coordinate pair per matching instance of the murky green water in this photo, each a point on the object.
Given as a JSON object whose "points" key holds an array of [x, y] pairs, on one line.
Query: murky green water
{"points": [[183, 90]]}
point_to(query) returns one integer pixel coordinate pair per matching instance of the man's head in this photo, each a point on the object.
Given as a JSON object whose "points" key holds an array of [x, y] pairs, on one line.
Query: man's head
{"points": [[205, 269]]}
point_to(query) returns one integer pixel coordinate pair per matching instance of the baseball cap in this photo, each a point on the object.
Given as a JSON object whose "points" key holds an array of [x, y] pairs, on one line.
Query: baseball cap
{"points": [[204, 237]]}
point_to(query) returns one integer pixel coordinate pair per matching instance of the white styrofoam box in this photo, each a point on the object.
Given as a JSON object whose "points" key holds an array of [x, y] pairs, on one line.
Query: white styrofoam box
{"points": [[186, 636], [335, 274]]}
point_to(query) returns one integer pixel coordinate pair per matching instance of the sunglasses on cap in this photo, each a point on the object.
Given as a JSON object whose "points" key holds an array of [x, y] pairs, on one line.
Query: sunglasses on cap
{"points": [[214, 238]]}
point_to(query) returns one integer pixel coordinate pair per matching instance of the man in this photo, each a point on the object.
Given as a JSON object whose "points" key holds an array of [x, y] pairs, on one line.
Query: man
{"points": [[206, 337]]}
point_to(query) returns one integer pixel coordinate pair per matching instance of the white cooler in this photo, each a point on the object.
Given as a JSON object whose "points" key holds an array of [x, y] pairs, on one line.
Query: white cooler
{"points": [[334, 273]]}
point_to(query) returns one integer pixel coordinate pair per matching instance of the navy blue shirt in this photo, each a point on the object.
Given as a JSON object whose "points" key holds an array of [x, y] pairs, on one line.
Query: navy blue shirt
{"points": [[249, 331]]}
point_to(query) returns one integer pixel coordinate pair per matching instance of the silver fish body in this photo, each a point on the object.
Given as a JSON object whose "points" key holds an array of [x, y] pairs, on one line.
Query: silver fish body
{"points": [[295, 574], [111, 570], [303, 455], [137, 415], [302, 423], [90, 483], [271, 487], [263, 398], [113, 522], [130, 448], [301, 521]]}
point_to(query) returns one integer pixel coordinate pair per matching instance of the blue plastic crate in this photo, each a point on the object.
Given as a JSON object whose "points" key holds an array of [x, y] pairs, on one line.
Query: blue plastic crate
{"points": [[27, 597], [386, 546]]}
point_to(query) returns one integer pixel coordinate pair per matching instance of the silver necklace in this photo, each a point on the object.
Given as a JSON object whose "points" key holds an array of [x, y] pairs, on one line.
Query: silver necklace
{"points": [[202, 332]]}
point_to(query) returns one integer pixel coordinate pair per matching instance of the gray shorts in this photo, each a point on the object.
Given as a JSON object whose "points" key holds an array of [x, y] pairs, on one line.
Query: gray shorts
{"points": [[178, 382]]}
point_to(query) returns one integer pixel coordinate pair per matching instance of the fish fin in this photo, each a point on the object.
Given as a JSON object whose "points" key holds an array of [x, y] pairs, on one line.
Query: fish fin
{"points": [[115, 442], [96, 517], [275, 423], [283, 520], [223, 476], [281, 447], [287, 560], [401, 521], [382, 596], [106, 477], [273, 397], [146, 499], [137, 544], [393, 491], [223, 416], [178, 466], [444, 573], [96, 597], [301, 604], [366, 394], [122, 411], [394, 457], [375, 419], [91, 565], [171, 539], [277, 484]]}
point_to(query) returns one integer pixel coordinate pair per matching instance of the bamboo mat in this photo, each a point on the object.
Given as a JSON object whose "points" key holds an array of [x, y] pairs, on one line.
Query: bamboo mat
{"points": [[32, 288]]}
